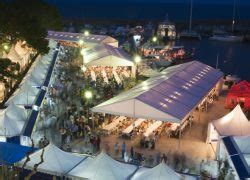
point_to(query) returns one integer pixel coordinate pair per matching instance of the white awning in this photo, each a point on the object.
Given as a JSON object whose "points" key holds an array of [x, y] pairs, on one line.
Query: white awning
{"points": [[102, 167], [234, 123], [56, 161], [12, 120], [159, 172], [25, 95]]}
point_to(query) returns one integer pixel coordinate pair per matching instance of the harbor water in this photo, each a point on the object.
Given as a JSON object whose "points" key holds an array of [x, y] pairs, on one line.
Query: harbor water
{"points": [[234, 58]]}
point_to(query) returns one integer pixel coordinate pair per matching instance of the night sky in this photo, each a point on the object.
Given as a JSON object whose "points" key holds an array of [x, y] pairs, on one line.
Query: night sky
{"points": [[177, 10], [241, 2]]}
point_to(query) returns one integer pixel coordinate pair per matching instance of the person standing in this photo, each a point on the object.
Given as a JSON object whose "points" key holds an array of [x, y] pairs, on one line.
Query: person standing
{"points": [[132, 153], [123, 149], [116, 148]]}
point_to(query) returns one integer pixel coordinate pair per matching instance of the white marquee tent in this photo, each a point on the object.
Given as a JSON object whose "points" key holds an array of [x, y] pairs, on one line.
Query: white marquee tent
{"points": [[89, 40], [12, 120], [105, 55], [161, 97], [102, 167], [25, 95], [234, 123], [159, 172], [56, 161]]}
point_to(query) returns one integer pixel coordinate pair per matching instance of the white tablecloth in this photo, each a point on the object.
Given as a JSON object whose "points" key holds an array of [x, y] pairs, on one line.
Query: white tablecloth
{"points": [[135, 124], [125, 73], [118, 80], [174, 126], [93, 76], [104, 74], [114, 123], [152, 128]]}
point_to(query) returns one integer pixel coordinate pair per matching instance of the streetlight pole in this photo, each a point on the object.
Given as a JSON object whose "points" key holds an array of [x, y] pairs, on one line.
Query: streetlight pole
{"points": [[137, 60], [88, 96]]}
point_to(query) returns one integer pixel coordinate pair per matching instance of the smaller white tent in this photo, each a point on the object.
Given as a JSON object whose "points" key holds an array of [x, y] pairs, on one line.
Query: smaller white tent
{"points": [[105, 55], [102, 167], [12, 120], [25, 95], [234, 123], [56, 161], [159, 172]]}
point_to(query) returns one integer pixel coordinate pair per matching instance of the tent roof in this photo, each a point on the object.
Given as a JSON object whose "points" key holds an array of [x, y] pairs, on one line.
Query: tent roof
{"points": [[159, 172], [9, 155], [102, 167], [160, 97], [25, 95], [106, 55], [234, 123], [12, 120], [75, 37], [55, 162]]}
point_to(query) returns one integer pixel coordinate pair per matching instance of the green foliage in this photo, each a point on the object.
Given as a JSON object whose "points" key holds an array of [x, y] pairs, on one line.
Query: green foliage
{"points": [[28, 20], [8, 69]]}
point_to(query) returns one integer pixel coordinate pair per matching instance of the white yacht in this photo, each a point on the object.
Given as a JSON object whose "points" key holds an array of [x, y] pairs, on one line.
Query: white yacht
{"points": [[227, 38], [190, 34]]}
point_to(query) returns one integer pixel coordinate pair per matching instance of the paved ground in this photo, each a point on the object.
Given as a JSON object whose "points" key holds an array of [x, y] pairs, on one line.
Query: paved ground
{"points": [[192, 143]]}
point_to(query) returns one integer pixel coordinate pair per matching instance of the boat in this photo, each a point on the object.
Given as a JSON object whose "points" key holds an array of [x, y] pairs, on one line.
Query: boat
{"points": [[228, 37], [230, 80], [190, 34], [166, 30]]}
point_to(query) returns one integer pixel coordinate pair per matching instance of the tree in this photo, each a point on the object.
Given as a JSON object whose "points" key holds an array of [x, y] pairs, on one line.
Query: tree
{"points": [[8, 70], [28, 20]]}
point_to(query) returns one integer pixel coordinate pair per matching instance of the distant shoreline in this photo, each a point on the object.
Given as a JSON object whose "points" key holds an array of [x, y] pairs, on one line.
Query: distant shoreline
{"points": [[115, 21]]}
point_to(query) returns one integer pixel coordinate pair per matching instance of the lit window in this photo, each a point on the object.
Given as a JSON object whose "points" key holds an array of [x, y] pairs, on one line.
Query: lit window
{"points": [[177, 93], [172, 96], [163, 104], [185, 87], [168, 100], [188, 84]]}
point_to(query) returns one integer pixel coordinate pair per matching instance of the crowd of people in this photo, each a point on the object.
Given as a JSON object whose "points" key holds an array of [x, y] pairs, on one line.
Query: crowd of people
{"points": [[166, 53], [103, 80]]}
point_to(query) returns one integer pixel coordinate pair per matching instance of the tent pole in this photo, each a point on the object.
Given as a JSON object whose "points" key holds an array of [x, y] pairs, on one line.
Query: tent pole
{"points": [[92, 118], [179, 139]]}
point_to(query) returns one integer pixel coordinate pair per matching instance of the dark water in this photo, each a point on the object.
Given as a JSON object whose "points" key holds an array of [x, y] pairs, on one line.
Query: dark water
{"points": [[234, 58]]}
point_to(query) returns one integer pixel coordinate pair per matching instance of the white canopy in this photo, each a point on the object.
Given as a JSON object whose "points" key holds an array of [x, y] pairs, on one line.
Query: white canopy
{"points": [[234, 123], [105, 55], [56, 161], [159, 172], [25, 95], [161, 97], [12, 120], [102, 167]]}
